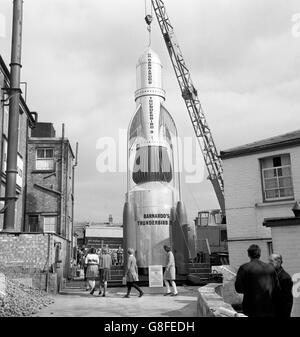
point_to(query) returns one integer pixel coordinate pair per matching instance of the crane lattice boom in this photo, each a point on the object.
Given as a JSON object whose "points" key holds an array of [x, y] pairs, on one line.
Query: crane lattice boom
{"points": [[190, 96]]}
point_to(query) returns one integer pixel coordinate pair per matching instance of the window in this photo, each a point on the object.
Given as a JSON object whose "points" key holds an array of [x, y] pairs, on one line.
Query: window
{"points": [[277, 178], [50, 224], [44, 159], [223, 235], [270, 247], [33, 223], [203, 218]]}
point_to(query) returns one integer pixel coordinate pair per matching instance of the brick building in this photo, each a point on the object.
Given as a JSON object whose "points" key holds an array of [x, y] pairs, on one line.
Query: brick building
{"points": [[262, 180], [49, 183], [26, 122], [49, 190], [39, 249]]}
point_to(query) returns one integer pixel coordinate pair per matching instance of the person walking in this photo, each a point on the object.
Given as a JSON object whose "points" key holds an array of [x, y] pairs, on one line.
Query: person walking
{"points": [[92, 262], [258, 282], [170, 273], [284, 297], [85, 252], [132, 274], [104, 267], [120, 256]]}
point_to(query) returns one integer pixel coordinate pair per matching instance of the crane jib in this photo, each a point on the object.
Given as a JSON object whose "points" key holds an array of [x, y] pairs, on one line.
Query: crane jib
{"points": [[190, 96]]}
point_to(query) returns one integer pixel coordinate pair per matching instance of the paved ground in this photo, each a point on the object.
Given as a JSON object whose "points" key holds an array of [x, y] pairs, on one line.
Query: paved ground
{"points": [[79, 303]]}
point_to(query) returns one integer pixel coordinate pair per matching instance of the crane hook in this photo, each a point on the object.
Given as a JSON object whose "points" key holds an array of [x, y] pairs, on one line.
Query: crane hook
{"points": [[148, 20]]}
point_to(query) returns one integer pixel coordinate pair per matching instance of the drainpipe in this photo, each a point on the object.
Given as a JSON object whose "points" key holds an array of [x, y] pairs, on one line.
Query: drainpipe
{"points": [[14, 106], [73, 191], [25, 170], [62, 181], [48, 264]]}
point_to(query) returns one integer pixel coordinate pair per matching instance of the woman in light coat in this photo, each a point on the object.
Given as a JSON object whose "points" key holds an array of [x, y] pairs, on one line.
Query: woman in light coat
{"points": [[170, 273], [92, 272], [132, 274]]}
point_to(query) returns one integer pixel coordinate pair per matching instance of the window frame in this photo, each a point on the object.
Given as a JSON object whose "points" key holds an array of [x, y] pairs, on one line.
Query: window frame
{"points": [[38, 223], [47, 217], [44, 159], [277, 177]]}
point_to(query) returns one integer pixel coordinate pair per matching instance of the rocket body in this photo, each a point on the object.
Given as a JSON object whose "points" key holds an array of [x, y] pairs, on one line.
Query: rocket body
{"points": [[153, 181]]}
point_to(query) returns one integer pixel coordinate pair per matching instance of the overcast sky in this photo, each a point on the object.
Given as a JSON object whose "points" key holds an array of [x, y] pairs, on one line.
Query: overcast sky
{"points": [[79, 60]]}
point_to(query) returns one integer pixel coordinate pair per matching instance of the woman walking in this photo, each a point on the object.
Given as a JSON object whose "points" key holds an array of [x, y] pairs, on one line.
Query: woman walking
{"points": [[169, 274], [105, 265], [92, 262], [132, 274]]}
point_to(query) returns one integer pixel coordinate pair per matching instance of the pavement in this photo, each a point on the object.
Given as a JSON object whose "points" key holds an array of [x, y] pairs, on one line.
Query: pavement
{"points": [[79, 303]]}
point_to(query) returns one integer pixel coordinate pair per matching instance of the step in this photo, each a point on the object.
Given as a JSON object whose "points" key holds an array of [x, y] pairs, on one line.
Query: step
{"points": [[199, 265], [199, 270], [200, 274]]}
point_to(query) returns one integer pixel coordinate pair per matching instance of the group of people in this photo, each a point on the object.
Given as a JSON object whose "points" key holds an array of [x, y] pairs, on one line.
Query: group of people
{"points": [[267, 287], [117, 255], [97, 267]]}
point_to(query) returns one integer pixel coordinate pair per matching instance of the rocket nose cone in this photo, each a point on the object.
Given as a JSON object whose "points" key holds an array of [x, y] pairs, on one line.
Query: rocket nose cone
{"points": [[148, 53]]}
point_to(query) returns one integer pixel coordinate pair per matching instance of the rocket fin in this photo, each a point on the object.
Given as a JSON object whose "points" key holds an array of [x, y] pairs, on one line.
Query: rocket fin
{"points": [[129, 228], [180, 239]]}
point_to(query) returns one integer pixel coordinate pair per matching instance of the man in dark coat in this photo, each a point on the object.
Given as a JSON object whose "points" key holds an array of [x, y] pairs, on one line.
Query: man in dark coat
{"points": [[284, 298], [258, 282]]}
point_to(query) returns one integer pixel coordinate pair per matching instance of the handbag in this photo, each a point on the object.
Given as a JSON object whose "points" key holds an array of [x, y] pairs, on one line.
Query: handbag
{"points": [[124, 280]]}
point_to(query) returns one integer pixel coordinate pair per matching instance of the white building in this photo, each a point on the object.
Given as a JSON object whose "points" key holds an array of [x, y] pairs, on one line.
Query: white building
{"points": [[98, 235], [262, 180]]}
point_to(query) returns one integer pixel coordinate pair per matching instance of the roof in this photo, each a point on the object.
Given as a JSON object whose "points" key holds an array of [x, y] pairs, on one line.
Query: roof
{"points": [[277, 222], [23, 104], [282, 141], [103, 224]]}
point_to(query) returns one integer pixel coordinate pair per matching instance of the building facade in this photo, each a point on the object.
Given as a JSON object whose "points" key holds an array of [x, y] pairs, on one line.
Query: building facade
{"points": [[39, 250], [49, 203], [50, 191], [26, 122], [262, 180], [103, 234], [285, 235]]}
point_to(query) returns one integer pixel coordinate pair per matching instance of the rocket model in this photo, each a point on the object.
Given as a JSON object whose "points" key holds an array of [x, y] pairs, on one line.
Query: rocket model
{"points": [[154, 214]]}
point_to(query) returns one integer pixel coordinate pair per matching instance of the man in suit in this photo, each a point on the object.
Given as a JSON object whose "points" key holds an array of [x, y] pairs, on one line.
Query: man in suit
{"points": [[258, 282], [284, 299]]}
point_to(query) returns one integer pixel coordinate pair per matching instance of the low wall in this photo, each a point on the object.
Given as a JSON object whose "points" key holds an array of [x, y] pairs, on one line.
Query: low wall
{"points": [[210, 304], [31, 259], [227, 289]]}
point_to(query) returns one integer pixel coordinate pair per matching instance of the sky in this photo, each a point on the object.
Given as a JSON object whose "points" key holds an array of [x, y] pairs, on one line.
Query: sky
{"points": [[79, 59]]}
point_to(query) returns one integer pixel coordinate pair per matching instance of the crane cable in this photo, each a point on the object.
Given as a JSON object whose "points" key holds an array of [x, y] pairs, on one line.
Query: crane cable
{"points": [[148, 19]]}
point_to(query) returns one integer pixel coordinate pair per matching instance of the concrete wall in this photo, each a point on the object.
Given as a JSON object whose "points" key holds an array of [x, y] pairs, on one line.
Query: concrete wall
{"points": [[31, 256], [245, 209], [286, 241], [210, 304]]}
